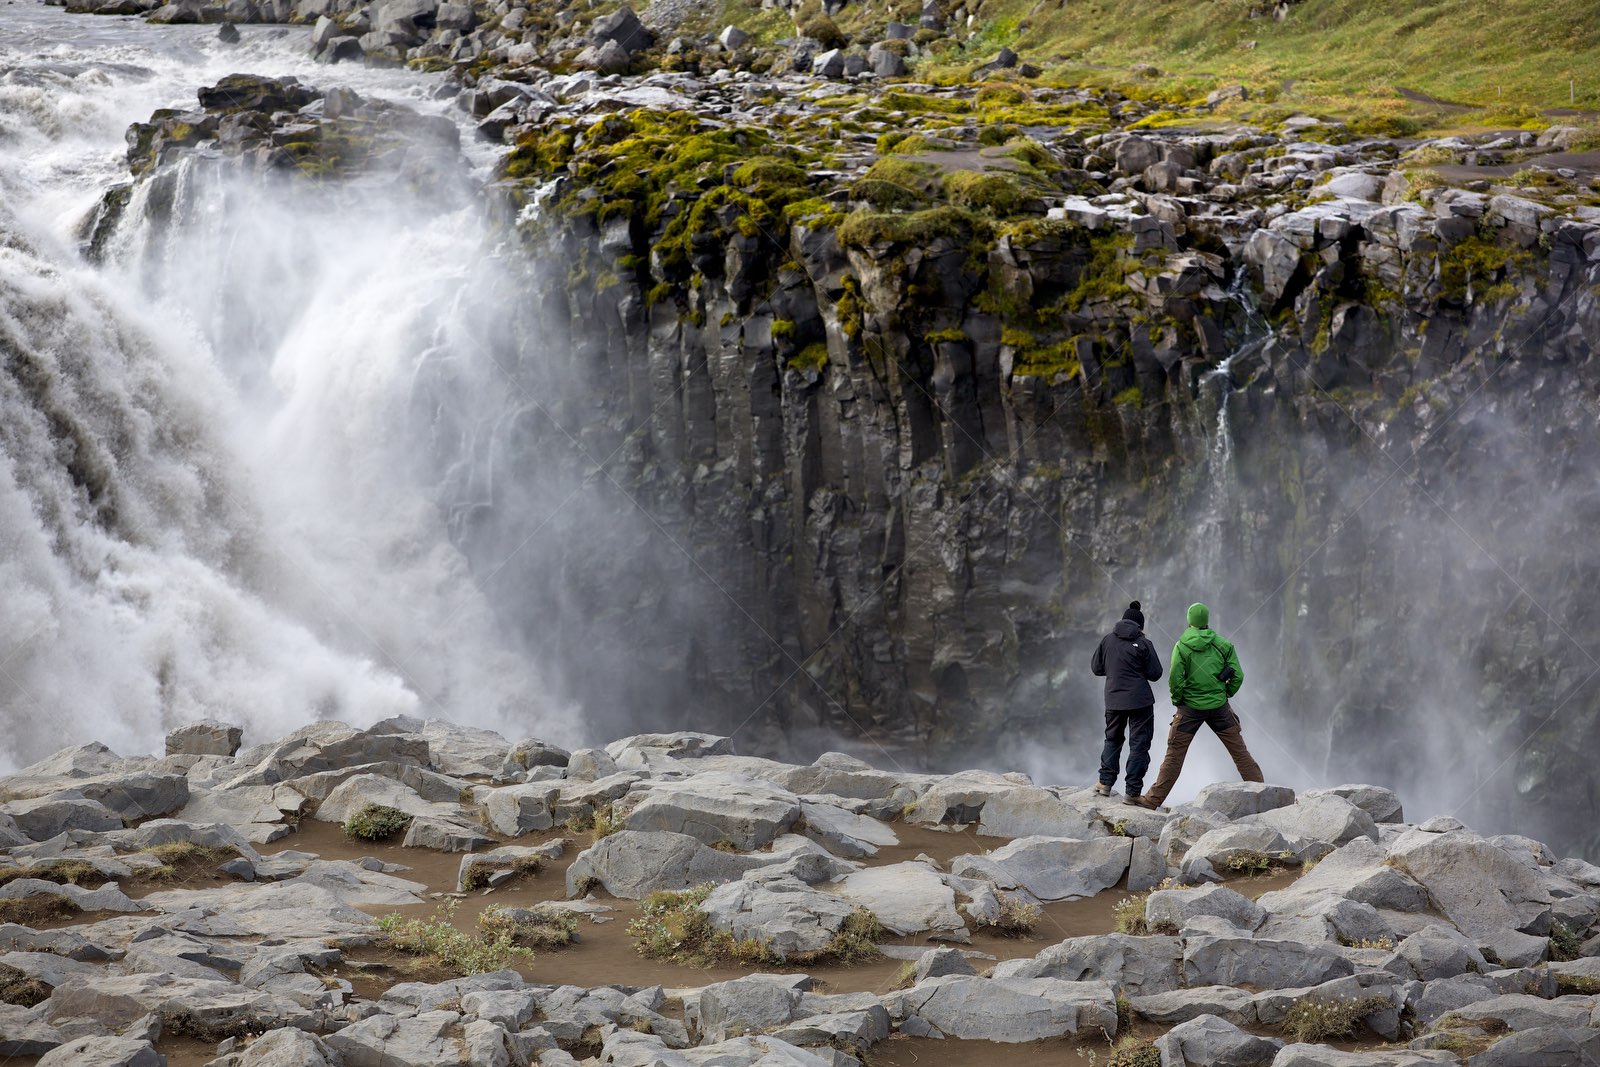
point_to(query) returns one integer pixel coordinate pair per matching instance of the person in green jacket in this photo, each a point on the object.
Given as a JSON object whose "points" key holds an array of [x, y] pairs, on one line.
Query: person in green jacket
{"points": [[1205, 674]]}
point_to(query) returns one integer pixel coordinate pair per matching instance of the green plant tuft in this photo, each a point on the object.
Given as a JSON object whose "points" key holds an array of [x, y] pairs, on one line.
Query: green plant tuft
{"points": [[375, 822], [436, 940]]}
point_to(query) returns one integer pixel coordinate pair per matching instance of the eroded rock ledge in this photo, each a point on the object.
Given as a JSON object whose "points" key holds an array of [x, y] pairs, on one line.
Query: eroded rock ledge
{"points": [[1418, 943]]}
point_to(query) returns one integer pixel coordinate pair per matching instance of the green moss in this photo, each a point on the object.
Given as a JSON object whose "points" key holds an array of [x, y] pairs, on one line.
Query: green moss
{"points": [[893, 183], [995, 192], [1132, 396], [919, 227], [813, 357], [1474, 265], [782, 328], [951, 336]]}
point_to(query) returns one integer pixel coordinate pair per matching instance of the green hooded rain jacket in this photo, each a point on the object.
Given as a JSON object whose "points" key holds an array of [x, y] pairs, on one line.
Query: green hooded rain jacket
{"points": [[1198, 657]]}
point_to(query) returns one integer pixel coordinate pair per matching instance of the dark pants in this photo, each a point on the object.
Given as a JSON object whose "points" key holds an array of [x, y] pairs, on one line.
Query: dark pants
{"points": [[1140, 725], [1185, 724]]}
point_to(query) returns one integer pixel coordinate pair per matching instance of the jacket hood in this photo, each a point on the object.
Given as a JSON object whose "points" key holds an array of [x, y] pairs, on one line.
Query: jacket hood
{"points": [[1127, 629], [1198, 640]]}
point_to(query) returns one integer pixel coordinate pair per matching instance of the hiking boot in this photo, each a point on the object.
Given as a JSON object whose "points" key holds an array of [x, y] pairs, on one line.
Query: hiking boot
{"points": [[1132, 798], [1146, 801], [1101, 789]]}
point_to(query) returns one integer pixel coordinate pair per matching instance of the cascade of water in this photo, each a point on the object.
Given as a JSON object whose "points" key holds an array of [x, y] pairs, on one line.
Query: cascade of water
{"points": [[219, 486]]}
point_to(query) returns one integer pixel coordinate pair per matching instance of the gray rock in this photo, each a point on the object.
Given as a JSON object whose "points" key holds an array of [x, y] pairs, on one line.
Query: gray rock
{"points": [[623, 28], [1183, 829], [1261, 963], [389, 1041], [1324, 1056], [845, 834], [754, 1002], [1135, 154], [1508, 948], [1146, 866], [1478, 886], [444, 835], [208, 737], [116, 1001], [46, 817], [507, 860], [1273, 1005], [1140, 965], [1238, 799], [716, 808], [1181, 1005], [732, 38], [24, 1033], [1315, 826], [1175, 907], [590, 764], [854, 1031], [520, 809], [829, 64], [1210, 1041], [786, 913], [1008, 1009], [1051, 868], [1548, 1046], [531, 752], [642, 751], [907, 898], [885, 63], [1217, 851], [1519, 1011], [104, 1052], [1033, 812], [1440, 951], [1380, 803], [943, 961], [632, 864]]}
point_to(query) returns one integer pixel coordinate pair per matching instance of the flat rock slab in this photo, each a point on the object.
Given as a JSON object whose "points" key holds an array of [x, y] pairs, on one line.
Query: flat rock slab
{"points": [[1136, 964], [715, 808], [635, 863], [1051, 868], [1210, 1041], [1324, 1056], [907, 898], [1008, 1009]]}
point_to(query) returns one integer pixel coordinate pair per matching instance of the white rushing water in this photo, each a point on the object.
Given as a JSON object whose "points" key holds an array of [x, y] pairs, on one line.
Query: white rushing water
{"points": [[215, 485]]}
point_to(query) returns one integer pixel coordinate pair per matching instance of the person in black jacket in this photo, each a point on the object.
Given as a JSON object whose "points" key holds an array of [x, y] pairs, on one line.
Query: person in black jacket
{"points": [[1128, 662]]}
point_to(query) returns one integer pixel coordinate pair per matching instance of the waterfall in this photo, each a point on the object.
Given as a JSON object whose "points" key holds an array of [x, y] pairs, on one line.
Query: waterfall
{"points": [[229, 456]]}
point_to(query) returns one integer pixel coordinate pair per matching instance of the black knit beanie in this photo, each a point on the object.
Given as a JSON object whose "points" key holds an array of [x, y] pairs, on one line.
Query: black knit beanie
{"points": [[1135, 614]]}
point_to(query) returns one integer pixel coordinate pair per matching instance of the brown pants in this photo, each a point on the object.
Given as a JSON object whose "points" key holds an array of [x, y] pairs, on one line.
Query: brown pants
{"points": [[1185, 724]]}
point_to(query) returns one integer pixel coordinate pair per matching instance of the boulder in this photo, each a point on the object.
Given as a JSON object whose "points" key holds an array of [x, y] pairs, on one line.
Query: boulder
{"points": [[1478, 886], [1519, 1011], [520, 809], [623, 28], [908, 898], [943, 961], [732, 38], [754, 1002], [1545, 1046], [1315, 826], [590, 764], [46, 817], [1380, 803], [843, 833], [885, 62], [530, 752], [1223, 850], [829, 64], [1051, 868], [1235, 800], [444, 835], [1034, 812], [633, 864], [1210, 1041], [642, 751], [1175, 907], [717, 809], [790, 916], [1180, 1005], [281, 1048], [104, 1052], [1140, 965], [1440, 951], [1008, 1009], [432, 1037], [1261, 963], [207, 737]]}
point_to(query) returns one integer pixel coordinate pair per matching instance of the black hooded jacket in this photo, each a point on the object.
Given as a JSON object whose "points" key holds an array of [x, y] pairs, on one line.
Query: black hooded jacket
{"points": [[1128, 662]]}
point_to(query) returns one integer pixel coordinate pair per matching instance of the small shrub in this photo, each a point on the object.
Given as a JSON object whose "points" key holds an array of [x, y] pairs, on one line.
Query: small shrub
{"points": [[606, 822], [1129, 915], [437, 940], [1135, 1053], [672, 927], [61, 872], [905, 977], [181, 859], [540, 929], [1565, 943], [856, 940], [477, 876], [825, 31], [1017, 918], [31, 911], [18, 988], [1314, 1019], [375, 822]]}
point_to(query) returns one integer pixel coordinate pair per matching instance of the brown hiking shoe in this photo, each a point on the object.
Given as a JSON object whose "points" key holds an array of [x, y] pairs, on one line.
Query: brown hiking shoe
{"points": [[1146, 801], [1101, 789]]}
